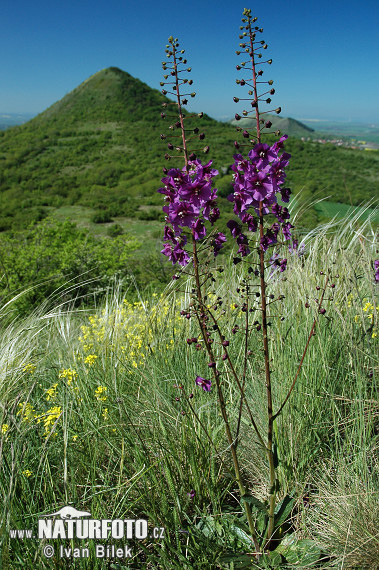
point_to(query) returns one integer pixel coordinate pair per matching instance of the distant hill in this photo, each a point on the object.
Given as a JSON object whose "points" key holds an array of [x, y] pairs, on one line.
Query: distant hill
{"points": [[291, 127], [8, 120], [109, 95], [99, 150]]}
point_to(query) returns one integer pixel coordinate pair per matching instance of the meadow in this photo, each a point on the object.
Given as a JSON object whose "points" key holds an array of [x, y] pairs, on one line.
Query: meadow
{"points": [[231, 400], [92, 416]]}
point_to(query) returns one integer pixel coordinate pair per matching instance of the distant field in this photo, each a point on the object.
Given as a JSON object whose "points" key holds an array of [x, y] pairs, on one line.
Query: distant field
{"points": [[367, 132], [335, 209]]}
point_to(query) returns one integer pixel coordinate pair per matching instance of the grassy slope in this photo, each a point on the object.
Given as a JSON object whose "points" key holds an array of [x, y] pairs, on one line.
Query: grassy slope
{"points": [[128, 451]]}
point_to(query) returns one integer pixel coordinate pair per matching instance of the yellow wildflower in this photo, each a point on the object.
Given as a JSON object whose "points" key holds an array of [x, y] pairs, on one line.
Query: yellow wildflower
{"points": [[4, 428], [74, 437], [30, 368], [27, 473], [90, 359], [50, 417], [69, 374], [26, 411], [51, 393], [105, 413], [100, 393]]}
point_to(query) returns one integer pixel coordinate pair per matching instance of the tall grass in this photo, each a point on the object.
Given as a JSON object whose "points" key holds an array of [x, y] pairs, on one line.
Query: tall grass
{"points": [[92, 415]]}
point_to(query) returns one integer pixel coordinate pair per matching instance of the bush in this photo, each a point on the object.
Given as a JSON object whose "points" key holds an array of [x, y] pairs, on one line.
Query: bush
{"points": [[101, 218], [51, 254]]}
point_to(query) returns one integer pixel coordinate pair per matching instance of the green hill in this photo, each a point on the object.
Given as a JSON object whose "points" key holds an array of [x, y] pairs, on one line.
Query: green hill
{"points": [[97, 155], [291, 127]]}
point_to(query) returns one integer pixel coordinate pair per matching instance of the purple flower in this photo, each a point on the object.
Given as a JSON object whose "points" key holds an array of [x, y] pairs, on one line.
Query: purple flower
{"points": [[376, 266], [190, 200], [198, 230], [256, 182], [203, 383], [286, 230], [192, 494], [297, 249], [234, 227], [175, 252], [218, 242]]}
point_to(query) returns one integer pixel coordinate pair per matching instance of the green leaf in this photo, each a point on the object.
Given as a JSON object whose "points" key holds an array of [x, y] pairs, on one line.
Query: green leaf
{"points": [[283, 510], [255, 502], [242, 536], [239, 561], [304, 552]]}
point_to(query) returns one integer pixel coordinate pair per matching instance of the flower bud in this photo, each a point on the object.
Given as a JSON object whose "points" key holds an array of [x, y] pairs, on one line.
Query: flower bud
{"points": [[278, 110], [268, 124], [206, 149], [237, 117], [245, 134]]}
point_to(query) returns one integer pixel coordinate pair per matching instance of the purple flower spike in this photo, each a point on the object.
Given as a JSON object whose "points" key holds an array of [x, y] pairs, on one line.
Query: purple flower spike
{"points": [[257, 181], [192, 494], [190, 200], [203, 383]]}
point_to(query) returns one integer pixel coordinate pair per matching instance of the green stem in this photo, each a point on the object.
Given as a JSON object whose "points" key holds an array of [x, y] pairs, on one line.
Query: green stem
{"points": [[270, 416], [231, 441]]}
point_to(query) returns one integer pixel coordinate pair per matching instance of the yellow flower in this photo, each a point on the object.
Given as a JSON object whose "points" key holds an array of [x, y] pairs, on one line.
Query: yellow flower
{"points": [[100, 393], [50, 417], [26, 411], [69, 374], [27, 473], [51, 393], [30, 368], [90, 359], [4, 428], [74, 437], [105, 413]]}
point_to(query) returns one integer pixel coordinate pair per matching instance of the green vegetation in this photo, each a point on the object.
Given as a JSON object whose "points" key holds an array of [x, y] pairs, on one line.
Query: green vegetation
{"points": [[58, 259], [90, 416], [95, 158], [99, 147]]}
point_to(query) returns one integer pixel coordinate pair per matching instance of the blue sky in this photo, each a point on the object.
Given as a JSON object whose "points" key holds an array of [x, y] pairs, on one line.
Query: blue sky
{"points": [[324, 53]]}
